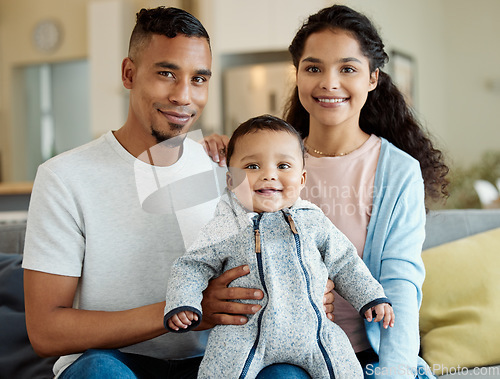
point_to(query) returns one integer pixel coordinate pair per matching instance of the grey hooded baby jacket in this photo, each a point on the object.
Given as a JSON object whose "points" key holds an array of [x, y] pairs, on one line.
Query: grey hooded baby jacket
{"points": [[291, 254]]}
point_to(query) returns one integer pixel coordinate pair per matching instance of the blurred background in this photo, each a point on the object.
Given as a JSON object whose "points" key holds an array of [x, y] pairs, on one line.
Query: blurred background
{"points": [[60, 83]]}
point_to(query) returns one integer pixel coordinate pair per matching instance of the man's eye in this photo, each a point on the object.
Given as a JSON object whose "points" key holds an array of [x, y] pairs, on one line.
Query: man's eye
{"points": [[199, 79], [167, 74]]}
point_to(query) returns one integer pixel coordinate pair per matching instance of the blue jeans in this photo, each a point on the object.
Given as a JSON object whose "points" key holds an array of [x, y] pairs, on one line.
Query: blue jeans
{"points": [[283, 370], [104, 364], [112, 364]]}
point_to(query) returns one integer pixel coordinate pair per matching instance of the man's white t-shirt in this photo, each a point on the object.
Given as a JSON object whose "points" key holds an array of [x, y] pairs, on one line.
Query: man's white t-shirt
{"points": [[98, 213]]}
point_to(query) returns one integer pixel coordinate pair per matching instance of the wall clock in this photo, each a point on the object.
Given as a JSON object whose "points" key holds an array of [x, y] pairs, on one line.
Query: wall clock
{"points": [[47, 35]]}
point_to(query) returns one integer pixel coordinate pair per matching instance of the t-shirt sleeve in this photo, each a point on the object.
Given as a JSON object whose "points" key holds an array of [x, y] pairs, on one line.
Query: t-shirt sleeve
{"points": [[55, 239]]}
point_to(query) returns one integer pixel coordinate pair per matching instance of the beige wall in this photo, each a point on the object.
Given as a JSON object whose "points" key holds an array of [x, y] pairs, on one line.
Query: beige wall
{"points": [[411, 27], [453, 42], [472, 85], [17, 21]]}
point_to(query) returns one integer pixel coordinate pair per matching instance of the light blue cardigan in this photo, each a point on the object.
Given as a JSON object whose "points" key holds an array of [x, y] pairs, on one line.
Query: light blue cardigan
{"points": [[392, 252]]}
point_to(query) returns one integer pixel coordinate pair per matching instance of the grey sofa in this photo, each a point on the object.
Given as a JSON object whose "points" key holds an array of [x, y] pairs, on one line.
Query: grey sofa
{"points": [[17, 358]]}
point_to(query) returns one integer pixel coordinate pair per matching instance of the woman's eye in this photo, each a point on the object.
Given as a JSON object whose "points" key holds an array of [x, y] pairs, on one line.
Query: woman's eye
{"points": [[312, 69], [348, 69]]}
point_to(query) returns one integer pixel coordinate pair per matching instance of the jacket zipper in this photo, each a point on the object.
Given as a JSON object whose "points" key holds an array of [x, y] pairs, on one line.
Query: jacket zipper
{"points": [[327, 359], [258, 254]]}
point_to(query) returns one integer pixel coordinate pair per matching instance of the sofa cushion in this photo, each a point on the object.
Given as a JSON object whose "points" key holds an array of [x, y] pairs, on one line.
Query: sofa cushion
{"points": [[461, 303], [17, 357]]}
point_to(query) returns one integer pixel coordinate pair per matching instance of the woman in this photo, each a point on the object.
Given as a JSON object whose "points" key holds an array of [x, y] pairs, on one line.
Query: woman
{"points": [[370, 166]]}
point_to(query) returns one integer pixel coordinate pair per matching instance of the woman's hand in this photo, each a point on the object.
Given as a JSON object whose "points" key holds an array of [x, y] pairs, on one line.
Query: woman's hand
{"points": [[328, 300], [215, 146]]}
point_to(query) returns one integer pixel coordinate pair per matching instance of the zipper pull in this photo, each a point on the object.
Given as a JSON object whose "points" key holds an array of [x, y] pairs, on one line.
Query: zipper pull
{"points": [[256, 231], [292, 223], [257, 241]]}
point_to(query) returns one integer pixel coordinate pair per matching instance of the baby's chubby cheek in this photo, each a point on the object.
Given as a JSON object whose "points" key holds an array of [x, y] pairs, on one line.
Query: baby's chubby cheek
{"points": [[238, 183]]}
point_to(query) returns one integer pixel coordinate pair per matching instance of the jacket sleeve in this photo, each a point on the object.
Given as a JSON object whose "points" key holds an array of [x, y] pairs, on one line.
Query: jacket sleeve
{"points": [[353, 281], [188, 279]]}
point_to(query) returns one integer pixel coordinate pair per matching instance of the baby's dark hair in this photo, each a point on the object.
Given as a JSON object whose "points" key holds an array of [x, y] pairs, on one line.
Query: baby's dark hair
{"points": [[259, 123], [168, 22], [385, 113]]}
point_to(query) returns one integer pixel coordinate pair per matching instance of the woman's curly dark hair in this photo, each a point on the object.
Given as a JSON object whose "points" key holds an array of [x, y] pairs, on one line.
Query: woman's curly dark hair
{"points": [[385, 113]]}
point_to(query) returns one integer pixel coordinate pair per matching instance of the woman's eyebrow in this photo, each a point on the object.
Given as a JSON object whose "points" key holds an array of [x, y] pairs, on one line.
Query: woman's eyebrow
{"points": [[342, 60], [311, 60]]}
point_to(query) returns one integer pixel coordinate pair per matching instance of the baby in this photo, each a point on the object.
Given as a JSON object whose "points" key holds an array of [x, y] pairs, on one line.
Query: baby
{"points": [[291, 247]]}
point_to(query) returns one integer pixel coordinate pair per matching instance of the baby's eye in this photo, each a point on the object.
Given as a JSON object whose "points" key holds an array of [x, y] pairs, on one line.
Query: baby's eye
{"points": [[252, 166], [283, 166]]}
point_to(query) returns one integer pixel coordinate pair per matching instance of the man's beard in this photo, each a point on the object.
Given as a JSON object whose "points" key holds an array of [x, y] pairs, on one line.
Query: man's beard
{"points": [[172, 139]]}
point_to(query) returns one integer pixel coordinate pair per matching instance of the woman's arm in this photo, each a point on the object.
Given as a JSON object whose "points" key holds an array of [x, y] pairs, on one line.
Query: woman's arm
{"points": [[394, 257]]}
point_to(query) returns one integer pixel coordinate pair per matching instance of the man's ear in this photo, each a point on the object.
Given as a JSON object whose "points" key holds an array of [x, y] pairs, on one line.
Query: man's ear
{"points": [[128, 72]]}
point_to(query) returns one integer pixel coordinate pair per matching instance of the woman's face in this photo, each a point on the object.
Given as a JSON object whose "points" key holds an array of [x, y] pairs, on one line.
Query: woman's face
{"points": [[333, 79]]}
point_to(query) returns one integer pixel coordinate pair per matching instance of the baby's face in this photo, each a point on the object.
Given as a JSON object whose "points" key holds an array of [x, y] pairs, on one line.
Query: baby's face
{"points": [[267, 172]]}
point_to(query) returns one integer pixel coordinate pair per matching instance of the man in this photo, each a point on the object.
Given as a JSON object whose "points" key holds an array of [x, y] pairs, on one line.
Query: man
{"points": [[96, 262]]}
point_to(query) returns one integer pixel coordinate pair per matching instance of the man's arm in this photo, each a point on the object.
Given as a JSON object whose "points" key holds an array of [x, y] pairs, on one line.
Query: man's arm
{"points": [[55, 328]]}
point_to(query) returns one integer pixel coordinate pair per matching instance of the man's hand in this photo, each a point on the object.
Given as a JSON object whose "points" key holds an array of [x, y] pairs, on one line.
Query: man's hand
{"points": [[217, 305], [328, 300], [215, 146]]}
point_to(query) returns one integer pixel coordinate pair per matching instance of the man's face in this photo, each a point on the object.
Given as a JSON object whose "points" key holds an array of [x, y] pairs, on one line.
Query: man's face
{"points": [[168, 79]]}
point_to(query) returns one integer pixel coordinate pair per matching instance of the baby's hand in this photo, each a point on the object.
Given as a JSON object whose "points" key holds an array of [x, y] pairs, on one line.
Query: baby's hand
{"points": [[182, 320], [383, 311]]}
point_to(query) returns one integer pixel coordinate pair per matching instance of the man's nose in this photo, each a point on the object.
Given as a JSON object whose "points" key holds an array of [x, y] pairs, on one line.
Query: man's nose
{"points": [[180, 93]]}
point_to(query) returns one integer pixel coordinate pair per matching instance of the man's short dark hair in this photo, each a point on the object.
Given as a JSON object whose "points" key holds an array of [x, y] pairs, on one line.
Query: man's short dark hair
{"points": [[168, 22]]}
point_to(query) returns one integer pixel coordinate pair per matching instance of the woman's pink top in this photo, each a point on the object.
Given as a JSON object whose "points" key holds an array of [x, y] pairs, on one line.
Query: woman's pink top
{"points": [[343, 188]]}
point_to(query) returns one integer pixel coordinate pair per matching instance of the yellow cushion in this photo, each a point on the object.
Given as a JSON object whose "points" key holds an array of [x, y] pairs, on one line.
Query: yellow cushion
{"points": [[460, 313]]}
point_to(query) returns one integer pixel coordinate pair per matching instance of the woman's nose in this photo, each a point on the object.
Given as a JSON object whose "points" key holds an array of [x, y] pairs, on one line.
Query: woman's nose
{"points": [[330, 80]]}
